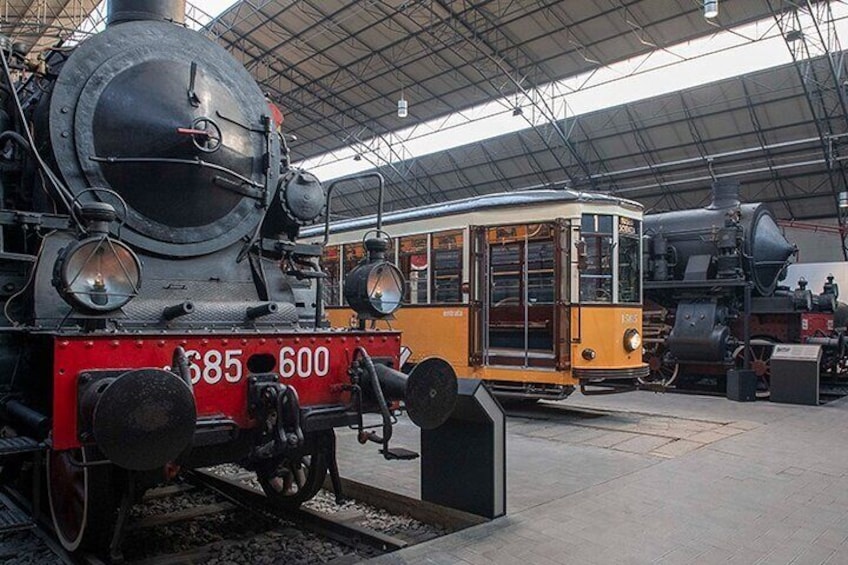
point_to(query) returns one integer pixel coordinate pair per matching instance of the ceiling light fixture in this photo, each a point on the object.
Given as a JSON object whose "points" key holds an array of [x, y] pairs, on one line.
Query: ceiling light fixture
{"points": [[403, 107], [710, 9]]}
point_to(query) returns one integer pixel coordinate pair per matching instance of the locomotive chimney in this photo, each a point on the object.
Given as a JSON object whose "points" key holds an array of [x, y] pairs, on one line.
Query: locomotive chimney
{"points": [[131, 10], [725, 194]]}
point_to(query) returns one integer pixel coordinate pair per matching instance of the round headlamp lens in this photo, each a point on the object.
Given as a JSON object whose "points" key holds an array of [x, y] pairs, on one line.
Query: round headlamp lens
{"points": [[632, 339], [385, 288], [374, 290], [98, 274]]}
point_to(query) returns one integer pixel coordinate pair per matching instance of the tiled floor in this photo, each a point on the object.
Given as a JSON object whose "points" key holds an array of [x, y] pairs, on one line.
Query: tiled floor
{"points": [[646, 478]]}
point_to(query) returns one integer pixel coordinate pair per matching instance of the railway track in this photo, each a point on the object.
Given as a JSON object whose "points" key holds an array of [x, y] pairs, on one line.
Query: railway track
{"points": [[331, 526], [212, 518]]}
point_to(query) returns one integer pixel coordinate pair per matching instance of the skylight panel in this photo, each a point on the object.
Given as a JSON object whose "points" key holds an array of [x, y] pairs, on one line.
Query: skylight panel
{"points": [[725, 54]]}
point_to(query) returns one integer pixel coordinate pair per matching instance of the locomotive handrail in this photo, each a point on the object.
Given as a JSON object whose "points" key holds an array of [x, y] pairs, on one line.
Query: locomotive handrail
{"points": [[319, 287], [335, 183], [195, 162]]}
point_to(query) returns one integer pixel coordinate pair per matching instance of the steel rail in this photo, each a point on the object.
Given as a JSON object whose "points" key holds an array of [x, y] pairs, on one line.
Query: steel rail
{"points": [[323, 524]]}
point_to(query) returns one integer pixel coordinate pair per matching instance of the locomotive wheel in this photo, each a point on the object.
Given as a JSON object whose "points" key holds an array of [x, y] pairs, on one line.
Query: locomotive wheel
{"points": [[761, 350], [294, 479], [663, 369], [82, 500]]}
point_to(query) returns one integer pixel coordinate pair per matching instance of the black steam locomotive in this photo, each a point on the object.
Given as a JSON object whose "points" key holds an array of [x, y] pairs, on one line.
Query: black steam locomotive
{"points": [[712, 279], [159, 312]]}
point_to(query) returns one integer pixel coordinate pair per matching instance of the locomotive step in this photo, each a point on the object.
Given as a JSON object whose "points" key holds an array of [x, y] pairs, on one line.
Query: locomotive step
{"points": [[399, 453], [12, 518], [18, 445]]}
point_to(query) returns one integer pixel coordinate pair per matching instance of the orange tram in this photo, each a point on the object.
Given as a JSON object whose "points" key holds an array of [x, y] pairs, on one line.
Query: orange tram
{"points": [[535, 292]]}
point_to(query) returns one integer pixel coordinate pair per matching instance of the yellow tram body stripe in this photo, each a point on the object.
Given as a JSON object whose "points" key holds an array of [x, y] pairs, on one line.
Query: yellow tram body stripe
{"points": [[443, 331], [429, 331]]}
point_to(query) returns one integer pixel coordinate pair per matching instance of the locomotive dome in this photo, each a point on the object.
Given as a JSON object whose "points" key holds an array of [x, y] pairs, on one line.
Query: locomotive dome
{"points": [[171, 123]]}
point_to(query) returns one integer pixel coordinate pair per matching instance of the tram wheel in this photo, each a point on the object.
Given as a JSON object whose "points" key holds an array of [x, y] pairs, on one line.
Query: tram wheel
{"points": [[82, 500], [761, 350], [292, 480]]}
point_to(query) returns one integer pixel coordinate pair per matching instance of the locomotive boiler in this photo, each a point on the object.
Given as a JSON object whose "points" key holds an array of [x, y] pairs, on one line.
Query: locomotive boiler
{"points": [[159, 311], [711, 276]]}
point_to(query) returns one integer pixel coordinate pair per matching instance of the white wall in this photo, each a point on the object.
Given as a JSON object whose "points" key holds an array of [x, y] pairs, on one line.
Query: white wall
{"points": [[815, 240]]}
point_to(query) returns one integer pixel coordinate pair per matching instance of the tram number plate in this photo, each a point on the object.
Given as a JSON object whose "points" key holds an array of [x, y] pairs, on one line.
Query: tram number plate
{"points": [[215, 365]]}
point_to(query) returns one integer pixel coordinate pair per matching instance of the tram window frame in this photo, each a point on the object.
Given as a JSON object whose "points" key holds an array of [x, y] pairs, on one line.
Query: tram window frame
{"points": [[419, 243], [522, 237], [505, 273], [629, 258], [598, 236], [453, 275], [542, 279], [332, 287]]}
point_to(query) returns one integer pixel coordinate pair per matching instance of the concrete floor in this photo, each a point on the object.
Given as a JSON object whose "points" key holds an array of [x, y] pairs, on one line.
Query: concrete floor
{"points": [[650, 478]]}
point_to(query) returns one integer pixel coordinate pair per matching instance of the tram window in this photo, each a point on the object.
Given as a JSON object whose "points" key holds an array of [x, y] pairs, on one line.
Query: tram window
{"points": [[506, 274], [447, 266], [330, 264], [413, 261], [353, 254], [629, 261], [596, 277], [540, 272]]}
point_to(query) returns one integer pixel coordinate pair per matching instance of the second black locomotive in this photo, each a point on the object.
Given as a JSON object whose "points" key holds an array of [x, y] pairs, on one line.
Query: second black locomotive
{"points": [[713, 275]]}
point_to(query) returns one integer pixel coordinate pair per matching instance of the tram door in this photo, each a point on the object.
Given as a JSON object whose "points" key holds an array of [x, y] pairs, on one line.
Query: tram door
{"points": [[520, 319]]}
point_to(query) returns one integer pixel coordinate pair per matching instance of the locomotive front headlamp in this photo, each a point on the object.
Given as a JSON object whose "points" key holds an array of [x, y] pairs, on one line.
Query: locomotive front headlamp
{"points": [[98, 273], [632, 340], [374, 288]]}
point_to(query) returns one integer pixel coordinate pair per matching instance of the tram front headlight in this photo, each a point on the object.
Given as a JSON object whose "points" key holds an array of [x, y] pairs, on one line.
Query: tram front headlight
{"points": [[374, 288], [632, 340]]}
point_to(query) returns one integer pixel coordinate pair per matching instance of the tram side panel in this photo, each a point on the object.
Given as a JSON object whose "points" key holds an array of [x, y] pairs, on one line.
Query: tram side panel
{"points": [[428, 331], [525, 311]]}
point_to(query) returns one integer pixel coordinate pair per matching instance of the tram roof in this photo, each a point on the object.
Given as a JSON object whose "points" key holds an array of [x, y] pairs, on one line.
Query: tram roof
{"points": [[477, 204]]}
